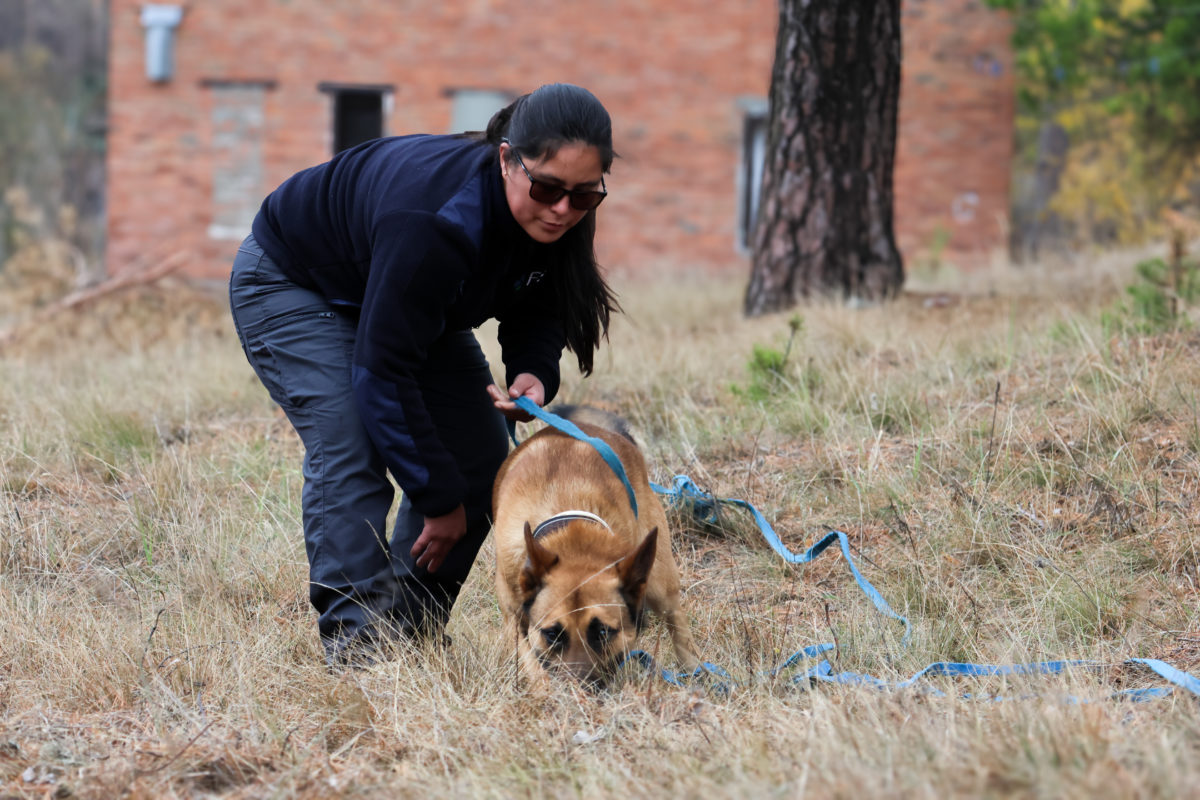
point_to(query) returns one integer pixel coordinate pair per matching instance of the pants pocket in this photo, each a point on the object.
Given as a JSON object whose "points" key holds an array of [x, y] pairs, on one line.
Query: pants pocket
{"points": [[266, 367], [307, 358]]}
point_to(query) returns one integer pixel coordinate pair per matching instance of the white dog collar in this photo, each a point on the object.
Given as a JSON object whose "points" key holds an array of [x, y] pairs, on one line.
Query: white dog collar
{"points": [[562, 518]]}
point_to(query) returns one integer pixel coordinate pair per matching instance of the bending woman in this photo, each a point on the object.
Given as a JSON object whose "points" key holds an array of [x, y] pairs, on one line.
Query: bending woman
{"points": [[354, 299]]}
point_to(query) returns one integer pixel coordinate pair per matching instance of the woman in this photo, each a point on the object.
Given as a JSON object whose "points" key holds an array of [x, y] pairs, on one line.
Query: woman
{"points": [[354, 299]]}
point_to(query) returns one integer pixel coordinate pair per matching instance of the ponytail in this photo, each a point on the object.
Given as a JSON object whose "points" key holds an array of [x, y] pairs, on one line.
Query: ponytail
{"points": [[497, 128]]}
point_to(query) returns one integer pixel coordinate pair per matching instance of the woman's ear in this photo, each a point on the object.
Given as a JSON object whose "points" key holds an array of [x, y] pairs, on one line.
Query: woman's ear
{"points": [[505, 147]]}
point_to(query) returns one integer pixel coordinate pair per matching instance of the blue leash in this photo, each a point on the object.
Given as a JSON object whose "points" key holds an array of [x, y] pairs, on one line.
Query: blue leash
{"points": [[705, 507], [824, 673], [571, 429]]}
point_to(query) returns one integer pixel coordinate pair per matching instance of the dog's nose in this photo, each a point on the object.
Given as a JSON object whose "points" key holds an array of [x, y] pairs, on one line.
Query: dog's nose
{"points": [[577, 669]]}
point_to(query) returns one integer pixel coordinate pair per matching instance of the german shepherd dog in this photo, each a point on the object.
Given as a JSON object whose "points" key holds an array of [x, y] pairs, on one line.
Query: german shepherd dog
{"points": [[575, 568]]}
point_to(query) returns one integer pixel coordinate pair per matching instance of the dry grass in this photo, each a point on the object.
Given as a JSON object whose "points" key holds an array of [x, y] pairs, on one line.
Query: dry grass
{"points": [[158, 642]]}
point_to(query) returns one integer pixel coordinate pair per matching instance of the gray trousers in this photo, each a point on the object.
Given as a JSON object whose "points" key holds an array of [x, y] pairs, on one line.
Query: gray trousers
{"points": [[363, 586]]}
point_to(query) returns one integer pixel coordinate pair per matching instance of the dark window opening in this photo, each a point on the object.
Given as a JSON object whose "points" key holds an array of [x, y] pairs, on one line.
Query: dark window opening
{"points": [[357, 118], [754, 150], [358, 112]]}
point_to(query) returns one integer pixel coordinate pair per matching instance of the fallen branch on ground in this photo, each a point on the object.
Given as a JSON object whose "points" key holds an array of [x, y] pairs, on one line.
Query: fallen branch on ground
{"points": [[80, 297]]}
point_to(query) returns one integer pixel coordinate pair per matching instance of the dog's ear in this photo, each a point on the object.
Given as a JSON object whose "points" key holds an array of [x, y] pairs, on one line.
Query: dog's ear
{"points": [[538, 562], [634, 569]]}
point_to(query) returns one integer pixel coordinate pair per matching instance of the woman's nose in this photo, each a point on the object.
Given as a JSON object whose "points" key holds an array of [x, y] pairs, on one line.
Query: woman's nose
{"points": [[562, 206]]}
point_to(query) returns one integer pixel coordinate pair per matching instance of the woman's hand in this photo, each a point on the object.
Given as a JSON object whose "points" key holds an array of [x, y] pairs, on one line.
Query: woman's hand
{"points": [[439, 535], [524, 385]]}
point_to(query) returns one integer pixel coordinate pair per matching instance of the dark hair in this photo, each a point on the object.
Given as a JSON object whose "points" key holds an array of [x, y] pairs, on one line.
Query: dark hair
{"points": [[536, 125]]}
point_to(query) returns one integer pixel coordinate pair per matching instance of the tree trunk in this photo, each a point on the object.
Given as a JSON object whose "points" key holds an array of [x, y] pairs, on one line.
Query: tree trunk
{"points": [[825, 225]]}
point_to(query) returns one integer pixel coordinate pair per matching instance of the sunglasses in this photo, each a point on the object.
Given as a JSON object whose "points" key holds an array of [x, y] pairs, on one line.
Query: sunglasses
{"points": [[549, 194]]}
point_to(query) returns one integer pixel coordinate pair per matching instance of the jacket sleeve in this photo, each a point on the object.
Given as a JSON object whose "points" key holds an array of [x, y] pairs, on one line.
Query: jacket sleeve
{"points": [[418, 266], [532, 338]]}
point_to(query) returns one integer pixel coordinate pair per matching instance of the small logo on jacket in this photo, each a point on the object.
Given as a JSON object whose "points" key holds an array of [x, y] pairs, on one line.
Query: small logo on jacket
{"points": [[527, 280]]}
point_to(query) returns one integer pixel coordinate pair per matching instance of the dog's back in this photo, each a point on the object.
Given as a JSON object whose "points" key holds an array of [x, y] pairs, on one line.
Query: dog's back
{"points": [[590, 415]]}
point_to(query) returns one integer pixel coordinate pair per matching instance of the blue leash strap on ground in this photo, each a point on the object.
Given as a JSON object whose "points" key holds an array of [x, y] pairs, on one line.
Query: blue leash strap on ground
{"points": [[1169, 673], [812, 651], [705, 507], [646, 661], [961, 669], [822, 672], [571, 429]]}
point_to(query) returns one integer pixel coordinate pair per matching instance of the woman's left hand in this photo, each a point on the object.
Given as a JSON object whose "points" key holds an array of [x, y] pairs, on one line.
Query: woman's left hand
{"points": [[524, 385]]}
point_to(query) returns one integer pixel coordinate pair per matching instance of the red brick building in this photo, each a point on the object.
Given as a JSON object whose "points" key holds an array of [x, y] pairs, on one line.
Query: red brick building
{"points": [[212, 104]]}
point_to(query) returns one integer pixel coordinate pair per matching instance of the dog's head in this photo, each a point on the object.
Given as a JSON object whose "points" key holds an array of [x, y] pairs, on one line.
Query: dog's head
{"points": [[581, 615]]}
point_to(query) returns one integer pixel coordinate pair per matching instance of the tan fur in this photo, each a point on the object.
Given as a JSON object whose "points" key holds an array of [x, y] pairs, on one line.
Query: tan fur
{"points": [[582, 579]]}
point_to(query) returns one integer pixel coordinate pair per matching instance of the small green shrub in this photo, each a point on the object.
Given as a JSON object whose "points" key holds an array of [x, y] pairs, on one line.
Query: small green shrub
{"points": [[768, 369], [1155, 298]]}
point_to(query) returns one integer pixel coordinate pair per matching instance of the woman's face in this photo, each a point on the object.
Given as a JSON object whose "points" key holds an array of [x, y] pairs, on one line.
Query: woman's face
{"points": [[574, 166]]}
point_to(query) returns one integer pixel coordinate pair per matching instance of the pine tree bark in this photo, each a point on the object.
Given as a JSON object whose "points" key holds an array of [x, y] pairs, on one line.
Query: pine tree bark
{"points": [[825, 220]]}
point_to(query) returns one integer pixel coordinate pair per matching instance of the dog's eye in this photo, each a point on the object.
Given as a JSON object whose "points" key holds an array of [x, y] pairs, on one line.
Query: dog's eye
{"points": [[554, 637], [598, 634]]}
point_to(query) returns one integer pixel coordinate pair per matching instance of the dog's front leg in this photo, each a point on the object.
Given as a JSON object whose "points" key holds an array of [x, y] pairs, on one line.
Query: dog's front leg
{"points": [[681, 637], [535, 677]]}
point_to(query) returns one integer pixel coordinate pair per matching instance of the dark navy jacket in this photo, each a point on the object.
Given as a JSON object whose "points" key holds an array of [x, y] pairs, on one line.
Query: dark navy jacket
{"points": [[414, 236]]}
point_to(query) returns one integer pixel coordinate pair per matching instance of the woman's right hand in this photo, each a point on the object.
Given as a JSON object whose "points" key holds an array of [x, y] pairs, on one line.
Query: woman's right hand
{"points": [[438, 537], [524, 385]]}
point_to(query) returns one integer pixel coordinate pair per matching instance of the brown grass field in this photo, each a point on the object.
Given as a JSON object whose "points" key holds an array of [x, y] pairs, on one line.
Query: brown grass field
{"points": [[1014, 456]]}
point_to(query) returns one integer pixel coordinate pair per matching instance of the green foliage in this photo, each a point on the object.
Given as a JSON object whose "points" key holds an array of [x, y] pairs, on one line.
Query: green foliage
{"points": [[1142, 52], [1155, 301], [767, 362], [768, 369], [1122, 79]]}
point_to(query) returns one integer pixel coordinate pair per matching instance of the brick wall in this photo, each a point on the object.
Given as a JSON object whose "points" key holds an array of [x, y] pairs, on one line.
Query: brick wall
{"points": [[245, 110], [954, 147]]}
